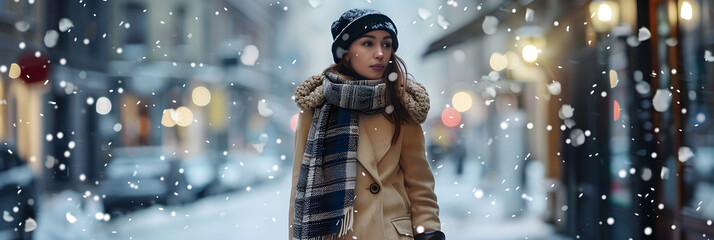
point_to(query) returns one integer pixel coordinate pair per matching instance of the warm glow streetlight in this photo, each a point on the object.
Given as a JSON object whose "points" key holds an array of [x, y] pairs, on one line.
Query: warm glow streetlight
{"points": [[689, 12], [604, 13], [686, 11], [530, 53]]}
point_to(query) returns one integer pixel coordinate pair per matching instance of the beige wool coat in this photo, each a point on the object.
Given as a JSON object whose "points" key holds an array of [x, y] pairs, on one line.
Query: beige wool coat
{"points": [[395, 187]]}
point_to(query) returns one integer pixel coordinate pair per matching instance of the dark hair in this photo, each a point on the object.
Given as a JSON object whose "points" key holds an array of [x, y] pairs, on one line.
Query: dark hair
{"points": [[394, 89]]}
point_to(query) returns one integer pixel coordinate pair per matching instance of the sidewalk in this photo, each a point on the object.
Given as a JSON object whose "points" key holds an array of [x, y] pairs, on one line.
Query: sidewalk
{"points": [[466, 217]]}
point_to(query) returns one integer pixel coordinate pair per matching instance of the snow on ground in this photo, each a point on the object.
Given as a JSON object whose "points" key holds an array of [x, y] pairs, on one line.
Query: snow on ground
{"points": [[261, 213]]}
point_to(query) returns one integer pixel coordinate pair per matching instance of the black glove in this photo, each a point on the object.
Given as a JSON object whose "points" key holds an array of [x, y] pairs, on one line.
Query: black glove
{"points": [[431, 235]]}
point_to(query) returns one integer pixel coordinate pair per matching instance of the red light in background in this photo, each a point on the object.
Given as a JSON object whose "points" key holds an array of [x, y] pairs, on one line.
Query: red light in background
{"points": [[450, 117]]}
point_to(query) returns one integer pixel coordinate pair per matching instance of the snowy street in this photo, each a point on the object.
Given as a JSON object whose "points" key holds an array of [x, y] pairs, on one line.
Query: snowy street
{"points": [[261, 213]]}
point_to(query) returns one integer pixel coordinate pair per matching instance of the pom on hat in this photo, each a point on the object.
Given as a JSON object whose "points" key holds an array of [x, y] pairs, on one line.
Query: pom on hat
{"points": [[355, 22]]}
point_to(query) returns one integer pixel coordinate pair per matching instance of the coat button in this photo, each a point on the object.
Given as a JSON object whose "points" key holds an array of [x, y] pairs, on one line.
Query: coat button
{"points": [[374, 188]]}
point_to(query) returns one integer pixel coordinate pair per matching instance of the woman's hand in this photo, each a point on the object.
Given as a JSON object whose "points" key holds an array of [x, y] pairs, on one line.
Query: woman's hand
{"points": [[430, 235]]}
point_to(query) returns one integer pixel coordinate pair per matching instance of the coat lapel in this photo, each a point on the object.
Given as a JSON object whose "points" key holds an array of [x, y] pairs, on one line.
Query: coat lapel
{"points": [[375, 135]]}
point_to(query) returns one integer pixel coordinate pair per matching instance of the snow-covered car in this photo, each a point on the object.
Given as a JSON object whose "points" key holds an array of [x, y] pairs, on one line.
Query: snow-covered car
{"points": [[200, 172], [245, 168], [142, 176]]}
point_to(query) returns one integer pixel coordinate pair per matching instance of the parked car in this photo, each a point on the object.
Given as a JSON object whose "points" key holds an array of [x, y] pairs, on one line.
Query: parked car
{"points": [[137, 177], [245, 168], [200, 173], [18, 188]]}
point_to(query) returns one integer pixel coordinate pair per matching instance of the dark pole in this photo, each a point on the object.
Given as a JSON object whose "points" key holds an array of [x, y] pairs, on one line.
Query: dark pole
{"points": [[678, 102], [645, 119], [601, 119]]}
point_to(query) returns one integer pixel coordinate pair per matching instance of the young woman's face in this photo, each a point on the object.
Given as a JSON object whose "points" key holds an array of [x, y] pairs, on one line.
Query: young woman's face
{"points": [[370, 54]]}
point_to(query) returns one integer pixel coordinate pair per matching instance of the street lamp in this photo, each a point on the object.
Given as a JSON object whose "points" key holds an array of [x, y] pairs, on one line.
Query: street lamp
{"points": [[532, 41], [604, 12], [605, 15], [524, 61], [686, 10], [530, 53]]}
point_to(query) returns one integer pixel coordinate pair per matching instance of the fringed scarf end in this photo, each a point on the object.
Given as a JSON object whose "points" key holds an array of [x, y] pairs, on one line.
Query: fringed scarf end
{"points": [[347, 221], [345, 226]]}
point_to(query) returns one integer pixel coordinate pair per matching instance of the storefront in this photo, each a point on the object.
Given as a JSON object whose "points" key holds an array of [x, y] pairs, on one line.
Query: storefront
{"points": [[634, 154]]}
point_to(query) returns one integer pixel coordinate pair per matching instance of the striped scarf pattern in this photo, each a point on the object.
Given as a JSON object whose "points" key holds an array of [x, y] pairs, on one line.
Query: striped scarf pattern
{"points": [[324, 202]]}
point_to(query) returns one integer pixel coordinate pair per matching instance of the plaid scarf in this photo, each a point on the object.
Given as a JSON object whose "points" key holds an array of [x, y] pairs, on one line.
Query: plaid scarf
{"points": [[324, 202]]}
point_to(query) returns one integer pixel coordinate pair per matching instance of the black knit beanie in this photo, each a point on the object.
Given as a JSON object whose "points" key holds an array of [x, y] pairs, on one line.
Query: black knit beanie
{"points": [[355, 22]]}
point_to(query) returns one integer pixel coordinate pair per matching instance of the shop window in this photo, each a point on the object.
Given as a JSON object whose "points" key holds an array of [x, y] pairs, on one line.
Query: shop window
{"points": [[134, 16]]}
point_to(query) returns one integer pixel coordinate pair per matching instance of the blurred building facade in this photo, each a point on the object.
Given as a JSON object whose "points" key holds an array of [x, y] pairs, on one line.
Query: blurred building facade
{"points": [[21, 31], [187, 76], [627, 154]]}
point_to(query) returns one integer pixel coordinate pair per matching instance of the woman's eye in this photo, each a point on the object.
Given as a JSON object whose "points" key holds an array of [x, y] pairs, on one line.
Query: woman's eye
{"points": [[387, 45], [368, 44]]}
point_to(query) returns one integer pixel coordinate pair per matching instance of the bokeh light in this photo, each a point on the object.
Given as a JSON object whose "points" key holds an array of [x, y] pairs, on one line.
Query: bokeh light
{"points": [[498, 62], [514, 61], [201, 96], [530, 53], [686, 11], [14, 71], [604, 13], [462, 101], [450, 117], [613, 78], [184, 117], [166, 119]]}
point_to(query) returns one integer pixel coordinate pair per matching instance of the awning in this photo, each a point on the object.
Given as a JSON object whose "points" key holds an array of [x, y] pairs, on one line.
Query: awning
{"points": [[471, 29], [503, 12]]}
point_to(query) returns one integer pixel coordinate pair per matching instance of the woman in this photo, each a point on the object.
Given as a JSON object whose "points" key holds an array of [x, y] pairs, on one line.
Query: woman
{"points": [[360, 170]]}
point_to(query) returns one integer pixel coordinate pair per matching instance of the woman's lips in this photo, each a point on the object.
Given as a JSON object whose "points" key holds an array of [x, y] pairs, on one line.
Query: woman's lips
{"points": [[377, 68]]}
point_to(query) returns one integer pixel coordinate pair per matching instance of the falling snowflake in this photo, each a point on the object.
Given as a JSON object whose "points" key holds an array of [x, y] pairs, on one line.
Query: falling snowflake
{"points": [[529, 15], [424, 13], [554, 88], [661, 100], [708, 56], [490, 25], [684, 154], [65, 24], [643, 34], [442, 22], [566, 111], [314, 3]]}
